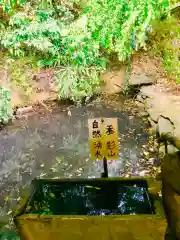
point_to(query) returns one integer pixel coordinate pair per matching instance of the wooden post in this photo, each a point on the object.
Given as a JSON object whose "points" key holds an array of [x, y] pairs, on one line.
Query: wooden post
{"points": [[105, 166]]}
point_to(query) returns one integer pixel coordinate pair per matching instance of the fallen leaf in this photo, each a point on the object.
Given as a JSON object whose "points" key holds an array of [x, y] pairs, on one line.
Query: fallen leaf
{"points": [[52, 195], [97, 188], [151, 149], [28, 208], [58, 159], [10, 211], [6, 198], [43, 174], [53, 169], [160, 194], [18, 199], [142, 173], [150, 130], [147, 155]]}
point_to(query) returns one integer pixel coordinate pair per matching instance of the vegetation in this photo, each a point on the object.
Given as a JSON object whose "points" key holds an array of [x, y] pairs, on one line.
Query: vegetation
{"points": [[5, 105], [163, 39], [76, 37]]}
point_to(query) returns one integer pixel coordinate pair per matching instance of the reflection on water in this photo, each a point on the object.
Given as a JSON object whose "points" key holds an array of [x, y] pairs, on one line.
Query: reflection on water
{"points": [[94, 198], [9, 236]]}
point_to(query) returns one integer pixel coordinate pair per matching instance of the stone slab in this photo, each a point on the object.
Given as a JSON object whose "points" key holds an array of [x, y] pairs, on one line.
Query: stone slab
{"points": [[142, 79]]}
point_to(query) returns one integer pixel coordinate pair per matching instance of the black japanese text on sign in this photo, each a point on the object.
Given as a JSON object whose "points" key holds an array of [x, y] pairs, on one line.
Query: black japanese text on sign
{"points": [[103, 135]]}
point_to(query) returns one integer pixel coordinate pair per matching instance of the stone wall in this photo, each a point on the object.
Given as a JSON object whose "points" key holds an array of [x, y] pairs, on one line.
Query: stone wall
{"points": [[163, 112]]}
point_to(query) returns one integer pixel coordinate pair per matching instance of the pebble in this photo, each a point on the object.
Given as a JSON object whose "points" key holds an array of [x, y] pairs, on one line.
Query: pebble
{"points": [[24, 110], [53, 169], [151, 160], [70, 175], [142, 173], [156, 161], [69, 113], [151, 149], [134, 174]]}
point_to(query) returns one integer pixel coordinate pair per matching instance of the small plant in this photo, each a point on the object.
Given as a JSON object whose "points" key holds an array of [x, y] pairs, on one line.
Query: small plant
{"points": [[5, 105], [77, 83]]}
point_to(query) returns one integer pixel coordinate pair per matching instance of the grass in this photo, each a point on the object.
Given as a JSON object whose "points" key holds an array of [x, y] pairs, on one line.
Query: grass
{"points": [[161, 41]]}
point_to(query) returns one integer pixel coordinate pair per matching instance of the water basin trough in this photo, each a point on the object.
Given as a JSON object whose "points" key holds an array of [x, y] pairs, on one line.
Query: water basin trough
{"points": [[110, 208]]}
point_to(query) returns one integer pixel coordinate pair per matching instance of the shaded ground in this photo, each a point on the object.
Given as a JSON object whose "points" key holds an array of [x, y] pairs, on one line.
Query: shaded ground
{"points": [[55, 145]]}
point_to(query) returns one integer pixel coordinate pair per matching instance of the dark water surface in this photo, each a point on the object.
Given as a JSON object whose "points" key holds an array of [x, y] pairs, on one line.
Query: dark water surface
{"points": [[55, 145], [87, 197]]}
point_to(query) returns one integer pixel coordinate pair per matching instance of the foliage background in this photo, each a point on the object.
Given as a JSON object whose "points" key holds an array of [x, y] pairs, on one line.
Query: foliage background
{"points": [[78, 37]]}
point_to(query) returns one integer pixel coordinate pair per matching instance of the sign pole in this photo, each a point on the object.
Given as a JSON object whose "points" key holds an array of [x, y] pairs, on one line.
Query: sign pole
{"points": [[105, 166]]}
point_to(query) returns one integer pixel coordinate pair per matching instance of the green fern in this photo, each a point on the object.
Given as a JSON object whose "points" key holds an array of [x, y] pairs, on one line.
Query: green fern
{"points": [[76, 83]]}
